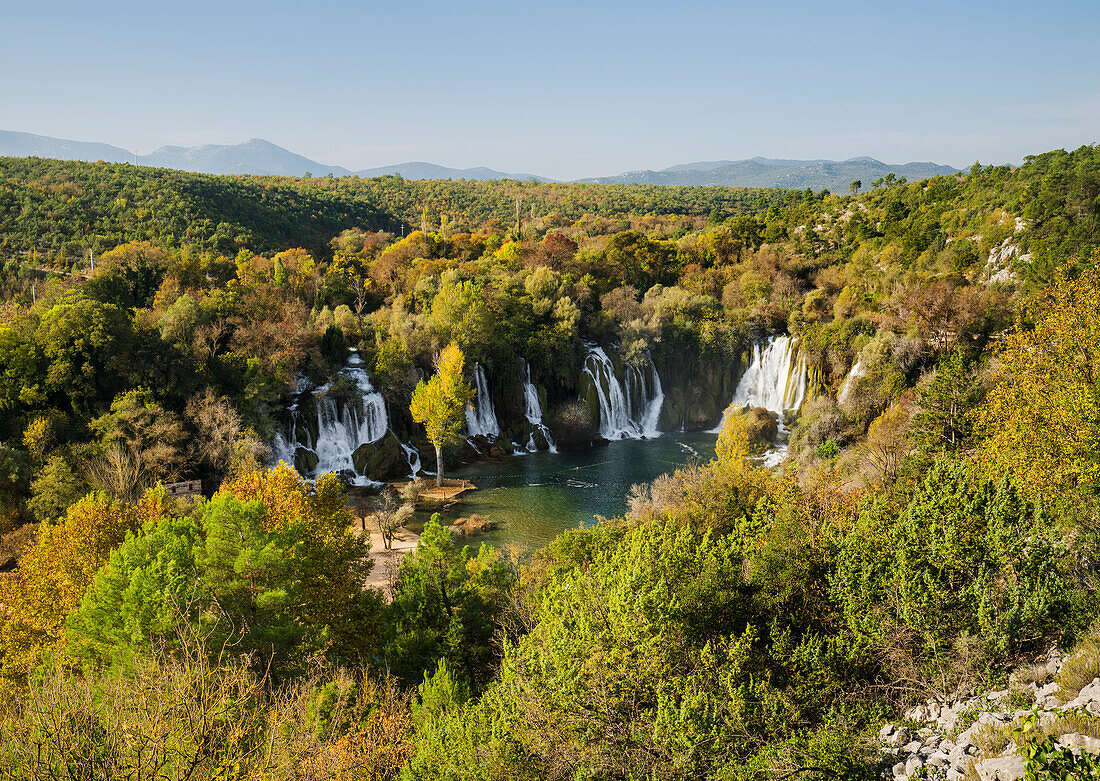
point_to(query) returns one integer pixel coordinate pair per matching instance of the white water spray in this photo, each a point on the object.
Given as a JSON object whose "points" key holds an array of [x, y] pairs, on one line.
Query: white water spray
{"points": [[629, 413], [844, 398], [481, 419], [533, 413], [775, 380], [341, 428]]}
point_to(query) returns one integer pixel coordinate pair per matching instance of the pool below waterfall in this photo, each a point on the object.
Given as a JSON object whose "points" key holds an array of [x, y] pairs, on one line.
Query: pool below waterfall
{"points": [[534, 497]]}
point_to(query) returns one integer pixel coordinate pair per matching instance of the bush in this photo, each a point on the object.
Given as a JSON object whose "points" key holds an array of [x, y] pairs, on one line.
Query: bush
{"points": [[572, 426], [1081, 667]]}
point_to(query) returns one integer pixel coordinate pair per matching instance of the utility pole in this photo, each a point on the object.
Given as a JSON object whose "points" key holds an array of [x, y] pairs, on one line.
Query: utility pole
{"points": [[91, 263]]}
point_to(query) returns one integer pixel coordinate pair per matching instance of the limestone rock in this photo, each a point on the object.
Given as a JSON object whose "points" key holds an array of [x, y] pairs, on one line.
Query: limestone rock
{"points": [[1075, 740], [1010, 768]]}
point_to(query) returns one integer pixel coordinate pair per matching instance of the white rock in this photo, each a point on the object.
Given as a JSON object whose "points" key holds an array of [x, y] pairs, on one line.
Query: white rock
{"points": [[912, 747], [901, 737], [958, 752], [955, 775], [1078, 741], [939, 759], [1010, 768], [912, 765], [886, 731], [899, 770], [995, 696]]}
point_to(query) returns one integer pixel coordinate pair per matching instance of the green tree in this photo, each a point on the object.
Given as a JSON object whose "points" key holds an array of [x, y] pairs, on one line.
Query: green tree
{"points": [[55, 489], [445, 607], [855, 186], [86, 343], [440, 403], [947, 403], [241, 581]]}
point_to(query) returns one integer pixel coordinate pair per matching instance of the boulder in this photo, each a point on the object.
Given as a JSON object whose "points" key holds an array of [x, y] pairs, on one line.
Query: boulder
{"points": [[1075, 740], [901, 737], [305, 461], [382, 460], [1010, 768]]}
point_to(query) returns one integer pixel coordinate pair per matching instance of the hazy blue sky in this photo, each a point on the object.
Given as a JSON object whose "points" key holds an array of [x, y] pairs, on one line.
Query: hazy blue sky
{"points": [[564, 89]]}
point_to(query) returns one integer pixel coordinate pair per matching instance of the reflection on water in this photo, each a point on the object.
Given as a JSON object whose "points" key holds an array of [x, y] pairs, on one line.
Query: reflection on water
{"points": [[535, 497]]}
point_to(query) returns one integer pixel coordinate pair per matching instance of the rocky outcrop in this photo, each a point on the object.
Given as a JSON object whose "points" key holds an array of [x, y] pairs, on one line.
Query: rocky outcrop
{"points": [[973, 737], [697, 387], [382, 460]]}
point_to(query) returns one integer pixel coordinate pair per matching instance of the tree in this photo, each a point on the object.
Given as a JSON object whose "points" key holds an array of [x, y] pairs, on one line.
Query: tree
{"points": [[446, 605], [390, 516], [265, 569], [55, 489], [1041, 419], [221, 441], [140, 443], [855, 186], [440, 403], [57, 570], [947, 401], [86, 343]]}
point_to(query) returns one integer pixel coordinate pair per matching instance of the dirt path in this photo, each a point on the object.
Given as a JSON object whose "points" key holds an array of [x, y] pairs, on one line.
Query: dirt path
{"points": [[387, 563]]}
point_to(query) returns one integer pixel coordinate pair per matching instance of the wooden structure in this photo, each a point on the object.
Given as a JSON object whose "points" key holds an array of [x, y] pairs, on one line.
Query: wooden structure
{"points": [[446, 493], [186, 488]]}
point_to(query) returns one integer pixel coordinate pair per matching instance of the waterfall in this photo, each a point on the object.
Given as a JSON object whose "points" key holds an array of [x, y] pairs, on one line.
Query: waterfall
{"points": [[775, 380], [413, 457], [848, 387], [341, 427], [533, 412], [482, 419], [645, 397], [629, 413]]}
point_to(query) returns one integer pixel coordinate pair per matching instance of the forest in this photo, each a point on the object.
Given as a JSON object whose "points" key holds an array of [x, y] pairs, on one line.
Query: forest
{"points": [[935, 525]]}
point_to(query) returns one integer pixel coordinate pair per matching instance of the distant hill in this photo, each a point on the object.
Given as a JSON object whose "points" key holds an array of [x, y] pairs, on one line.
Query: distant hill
{"points": [[433, 171], [790, 174], [257, 156], [14, 144]]}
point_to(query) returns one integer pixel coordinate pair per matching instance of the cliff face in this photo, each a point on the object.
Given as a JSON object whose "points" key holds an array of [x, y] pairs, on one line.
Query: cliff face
{"points": [[698, 388]]}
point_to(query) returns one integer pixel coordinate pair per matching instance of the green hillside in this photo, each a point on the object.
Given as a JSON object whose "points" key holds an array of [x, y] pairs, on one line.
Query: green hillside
{"points": [[934, 526]]}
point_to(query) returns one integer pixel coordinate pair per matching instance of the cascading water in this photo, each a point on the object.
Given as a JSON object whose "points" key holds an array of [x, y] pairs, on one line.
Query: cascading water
{"points": [[341, 427], [775, 380], [625, 414], [413, 457], [848, 387], [482, 419], [533, 413], [645, 396]]}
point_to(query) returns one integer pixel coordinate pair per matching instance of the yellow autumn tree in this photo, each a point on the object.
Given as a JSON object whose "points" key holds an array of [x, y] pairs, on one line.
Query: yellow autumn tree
{"points": [[57, 570], [440, 403], [1041, 420]]}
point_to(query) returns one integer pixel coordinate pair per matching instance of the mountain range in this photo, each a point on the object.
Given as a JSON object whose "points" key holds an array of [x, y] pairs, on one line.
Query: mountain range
{"points": [[257, 156]]}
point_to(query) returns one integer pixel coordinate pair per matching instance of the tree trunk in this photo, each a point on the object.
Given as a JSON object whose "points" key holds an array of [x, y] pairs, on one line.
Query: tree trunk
{"points": [[439, 466]]}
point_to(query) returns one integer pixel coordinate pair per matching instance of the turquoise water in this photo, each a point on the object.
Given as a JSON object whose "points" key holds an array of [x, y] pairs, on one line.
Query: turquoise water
{"points": [[533, 498]]}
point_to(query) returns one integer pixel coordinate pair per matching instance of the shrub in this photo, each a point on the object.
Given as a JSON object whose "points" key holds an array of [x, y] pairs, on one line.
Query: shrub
{"points": [[1081, 667], [572, 425]]}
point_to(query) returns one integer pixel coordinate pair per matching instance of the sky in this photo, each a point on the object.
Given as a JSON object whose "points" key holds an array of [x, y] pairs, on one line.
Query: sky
{"points": [[563, 89]]}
